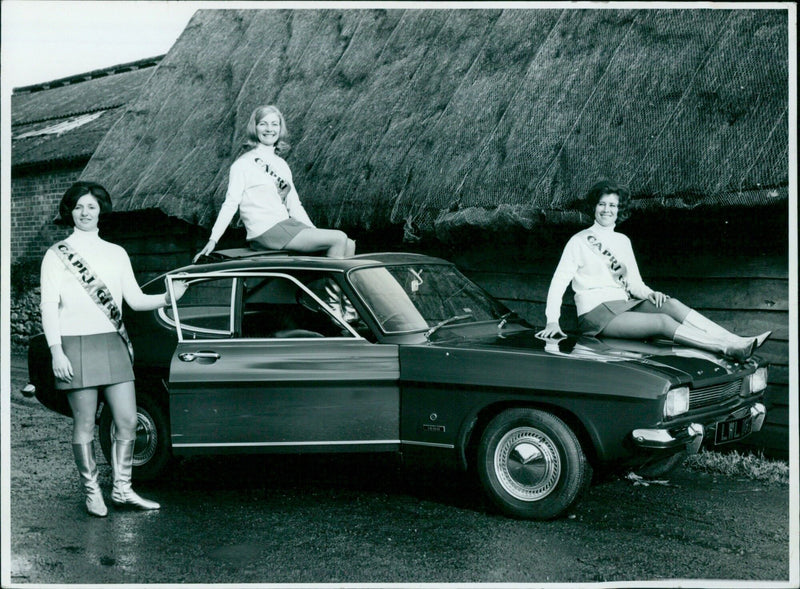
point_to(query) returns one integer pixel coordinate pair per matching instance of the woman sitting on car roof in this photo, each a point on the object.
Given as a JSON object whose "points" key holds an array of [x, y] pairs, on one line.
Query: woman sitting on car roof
{"points": [[610, 295], [260, 187]]}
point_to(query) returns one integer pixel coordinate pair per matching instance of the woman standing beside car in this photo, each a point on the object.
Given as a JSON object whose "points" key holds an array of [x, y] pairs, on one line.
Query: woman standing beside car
{"points": [[84, 280], [261, 189], [610, 295]]}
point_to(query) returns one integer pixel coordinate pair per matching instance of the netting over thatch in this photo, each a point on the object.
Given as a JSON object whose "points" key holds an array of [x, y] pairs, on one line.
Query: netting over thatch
{"points": [[464, 116]]}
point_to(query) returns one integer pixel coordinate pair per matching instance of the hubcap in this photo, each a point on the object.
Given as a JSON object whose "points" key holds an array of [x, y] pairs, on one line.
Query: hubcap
{"points": [[527, 464], [146, 437]]}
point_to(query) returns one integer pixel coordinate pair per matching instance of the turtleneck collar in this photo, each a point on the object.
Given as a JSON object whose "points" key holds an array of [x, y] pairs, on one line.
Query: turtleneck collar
{"points": [[600, 229], [265, 149], [81, 236]]}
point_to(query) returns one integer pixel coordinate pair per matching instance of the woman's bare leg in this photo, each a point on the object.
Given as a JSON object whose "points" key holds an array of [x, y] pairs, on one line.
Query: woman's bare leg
{"points": [[83, 403], [688, 316], [672, 307], [312, 239], [641, 325], [121, 398]]}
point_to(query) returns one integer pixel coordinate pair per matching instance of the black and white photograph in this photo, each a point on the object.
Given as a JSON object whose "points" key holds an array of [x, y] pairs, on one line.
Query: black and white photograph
{"points": [[399, 294]]}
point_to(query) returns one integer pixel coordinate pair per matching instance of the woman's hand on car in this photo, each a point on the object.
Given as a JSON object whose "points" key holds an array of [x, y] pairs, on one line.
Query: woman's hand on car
{"points": [[551, 330], [207, 249], [179, 288]]}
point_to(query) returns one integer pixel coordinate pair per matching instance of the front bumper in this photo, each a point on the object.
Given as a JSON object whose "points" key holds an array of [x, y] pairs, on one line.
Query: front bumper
{"points": [[691, 437]]}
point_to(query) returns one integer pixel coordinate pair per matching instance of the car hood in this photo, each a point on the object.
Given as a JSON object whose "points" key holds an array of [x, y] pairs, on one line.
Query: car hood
{"points": [[677, 362]]}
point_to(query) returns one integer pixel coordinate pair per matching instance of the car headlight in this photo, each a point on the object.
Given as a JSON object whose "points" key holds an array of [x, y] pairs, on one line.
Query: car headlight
{"points": [[758, 380], [677, 402]]}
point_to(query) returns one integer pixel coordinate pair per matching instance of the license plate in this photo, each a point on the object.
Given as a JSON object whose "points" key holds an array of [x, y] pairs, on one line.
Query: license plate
{"points": [[735, 429]]}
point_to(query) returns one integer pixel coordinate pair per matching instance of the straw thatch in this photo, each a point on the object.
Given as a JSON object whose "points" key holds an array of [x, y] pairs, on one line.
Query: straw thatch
{"points": [[452, 117], [55, 123]]}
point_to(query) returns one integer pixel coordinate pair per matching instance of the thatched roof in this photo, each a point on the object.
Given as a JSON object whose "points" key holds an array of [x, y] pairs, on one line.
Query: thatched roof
{"points": [[464, 116], [66, 119]]}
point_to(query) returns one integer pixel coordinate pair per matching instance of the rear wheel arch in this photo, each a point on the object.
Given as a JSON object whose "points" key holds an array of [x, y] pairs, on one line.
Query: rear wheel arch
{"points": [[153, 448]]}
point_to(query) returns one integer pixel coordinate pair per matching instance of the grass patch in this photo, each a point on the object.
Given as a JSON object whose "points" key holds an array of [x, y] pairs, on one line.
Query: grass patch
{"points": [[748, 465]]}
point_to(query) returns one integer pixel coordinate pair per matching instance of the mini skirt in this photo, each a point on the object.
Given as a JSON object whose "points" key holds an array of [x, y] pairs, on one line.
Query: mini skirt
{"points": [[97, 360], [595, 321], [278, 236]]}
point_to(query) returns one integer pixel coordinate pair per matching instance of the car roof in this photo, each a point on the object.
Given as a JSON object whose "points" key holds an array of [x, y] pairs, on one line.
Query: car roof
{"points": [[244, 259]]}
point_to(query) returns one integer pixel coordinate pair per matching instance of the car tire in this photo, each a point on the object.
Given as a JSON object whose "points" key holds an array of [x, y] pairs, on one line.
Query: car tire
{"points": [[531, 464], [151, 453], [661, 466]]}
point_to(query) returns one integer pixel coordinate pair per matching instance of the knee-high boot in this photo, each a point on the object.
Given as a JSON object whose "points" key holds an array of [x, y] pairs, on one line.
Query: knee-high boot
{"points": [[87, 468], [122, 467], [691, 336], [703, 323]]}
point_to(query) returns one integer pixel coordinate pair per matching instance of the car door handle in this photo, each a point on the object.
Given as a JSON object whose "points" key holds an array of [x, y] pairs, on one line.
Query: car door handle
{"points": [[192, 356]]}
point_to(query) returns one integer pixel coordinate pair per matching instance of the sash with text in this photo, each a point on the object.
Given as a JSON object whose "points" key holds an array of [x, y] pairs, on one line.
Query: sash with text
{"points": [[95, 287], [618, 270]]}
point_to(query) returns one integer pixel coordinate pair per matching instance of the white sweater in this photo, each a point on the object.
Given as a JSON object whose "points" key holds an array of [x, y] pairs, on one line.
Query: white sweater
{"points": [[67, 309], [254, 192], [590, 275]]}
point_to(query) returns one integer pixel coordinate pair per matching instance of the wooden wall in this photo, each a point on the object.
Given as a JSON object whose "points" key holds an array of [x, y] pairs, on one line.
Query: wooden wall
{"points": [[155, 242]]}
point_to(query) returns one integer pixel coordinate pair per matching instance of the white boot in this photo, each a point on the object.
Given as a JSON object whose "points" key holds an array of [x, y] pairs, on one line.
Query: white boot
{"points": [[87, 468], [691, 336], [122, 467], [703, 323]]}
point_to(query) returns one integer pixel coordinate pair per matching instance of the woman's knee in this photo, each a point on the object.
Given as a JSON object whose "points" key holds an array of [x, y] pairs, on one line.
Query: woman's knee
{"points": [[83, 424], [125, 420], [675, 309], [666, 325]]}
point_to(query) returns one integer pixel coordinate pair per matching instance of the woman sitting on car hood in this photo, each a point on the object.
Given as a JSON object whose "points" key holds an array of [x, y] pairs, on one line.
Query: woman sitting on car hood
{"points": [[610, 295]]}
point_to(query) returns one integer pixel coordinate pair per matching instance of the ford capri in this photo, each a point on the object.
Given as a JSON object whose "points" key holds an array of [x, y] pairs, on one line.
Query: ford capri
{"points": [[398, 352]]}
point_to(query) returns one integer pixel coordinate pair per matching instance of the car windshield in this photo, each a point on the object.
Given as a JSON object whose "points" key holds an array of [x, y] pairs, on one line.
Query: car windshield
{"points": [[417, 297]]}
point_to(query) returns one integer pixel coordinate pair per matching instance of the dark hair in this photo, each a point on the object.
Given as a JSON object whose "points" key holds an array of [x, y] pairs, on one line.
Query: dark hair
{"points": [[602, 188], [251, 137], [74, 193]]}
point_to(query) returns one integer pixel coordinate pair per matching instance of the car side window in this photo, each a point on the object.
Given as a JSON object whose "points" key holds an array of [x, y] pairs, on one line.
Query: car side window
{"points": [[278, 307], [206, 309]]}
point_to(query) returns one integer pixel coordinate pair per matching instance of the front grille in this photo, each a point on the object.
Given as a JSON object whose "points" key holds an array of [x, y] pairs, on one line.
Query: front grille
{"points": [[705, 396]]}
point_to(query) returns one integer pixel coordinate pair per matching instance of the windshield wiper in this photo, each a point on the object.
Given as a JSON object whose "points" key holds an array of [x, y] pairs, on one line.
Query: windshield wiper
{"points": [[447, 321]]}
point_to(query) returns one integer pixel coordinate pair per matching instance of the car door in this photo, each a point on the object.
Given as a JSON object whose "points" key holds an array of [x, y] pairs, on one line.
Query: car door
{"points": [[263, 364]]}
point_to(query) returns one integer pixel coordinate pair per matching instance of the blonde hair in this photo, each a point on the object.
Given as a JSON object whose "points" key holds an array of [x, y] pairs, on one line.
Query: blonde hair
{"points": [[251, 136]]}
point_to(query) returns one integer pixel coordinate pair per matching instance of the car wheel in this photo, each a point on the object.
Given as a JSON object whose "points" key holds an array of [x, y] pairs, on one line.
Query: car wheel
{"points": [[531, 464], [661, 466], [151, 452]]}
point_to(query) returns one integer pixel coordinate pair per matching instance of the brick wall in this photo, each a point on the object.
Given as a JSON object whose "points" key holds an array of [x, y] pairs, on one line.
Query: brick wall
{"points": [[34, 205]]}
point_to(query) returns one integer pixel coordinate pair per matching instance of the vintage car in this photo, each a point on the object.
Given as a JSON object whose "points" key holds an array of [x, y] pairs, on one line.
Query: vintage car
{"points": [[397, 352]]}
